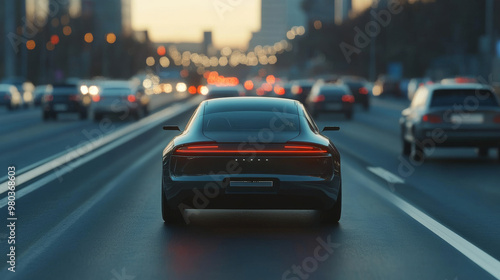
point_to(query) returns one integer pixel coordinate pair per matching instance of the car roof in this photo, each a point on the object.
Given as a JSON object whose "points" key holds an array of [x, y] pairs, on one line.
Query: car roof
{"points": [[261, 104], [474, 86]]}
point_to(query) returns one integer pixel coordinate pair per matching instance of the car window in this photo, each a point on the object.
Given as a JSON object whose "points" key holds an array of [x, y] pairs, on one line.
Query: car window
{"points": [[250, 121], [451, 97]]}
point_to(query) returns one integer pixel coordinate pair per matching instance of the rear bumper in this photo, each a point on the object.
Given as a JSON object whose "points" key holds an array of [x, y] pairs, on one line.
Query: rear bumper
{"points": [[462, 137], [215, 192]]}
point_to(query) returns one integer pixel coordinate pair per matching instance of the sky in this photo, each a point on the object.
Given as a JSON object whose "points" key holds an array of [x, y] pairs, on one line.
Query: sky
{"points": [[231, 21]]}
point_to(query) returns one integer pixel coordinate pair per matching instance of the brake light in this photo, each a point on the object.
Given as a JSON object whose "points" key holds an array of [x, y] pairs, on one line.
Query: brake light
{"points": [[363, 90], [96, 98], [319, 98], [131, 98], [432, 118], [279, 90], [231, 149], [348, 98], [48, 97], [496, 119]]}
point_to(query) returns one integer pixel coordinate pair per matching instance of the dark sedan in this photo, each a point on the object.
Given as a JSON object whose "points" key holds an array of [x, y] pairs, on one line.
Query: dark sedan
{"points": [[251, 153], [332, 98], [358, 89], [62, 99]]}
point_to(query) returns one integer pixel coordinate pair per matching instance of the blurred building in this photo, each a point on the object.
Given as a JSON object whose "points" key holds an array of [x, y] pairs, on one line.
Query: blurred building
{"points": [[320, 10], [343, 9], [207, 44], [277, 17], [110, 16]]}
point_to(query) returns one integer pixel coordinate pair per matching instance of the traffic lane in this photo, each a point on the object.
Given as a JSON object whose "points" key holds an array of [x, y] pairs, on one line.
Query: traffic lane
{"points": [[30, 145], [13, 120], [104, 219], [466, 204]]}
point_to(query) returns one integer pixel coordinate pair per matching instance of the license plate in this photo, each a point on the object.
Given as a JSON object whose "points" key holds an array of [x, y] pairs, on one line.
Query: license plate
{"points": [[60, 107], [333, 106], [250, 184], [467, 118]]}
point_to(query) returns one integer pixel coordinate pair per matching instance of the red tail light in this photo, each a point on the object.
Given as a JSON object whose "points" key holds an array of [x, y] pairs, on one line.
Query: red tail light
{"points": [[432, 118], [233, 149], [279, 90], [131, 98], [496, 119], [319, 98], [74, 97], [96, 98], [48, 97], [348, 98], [363, 90]]}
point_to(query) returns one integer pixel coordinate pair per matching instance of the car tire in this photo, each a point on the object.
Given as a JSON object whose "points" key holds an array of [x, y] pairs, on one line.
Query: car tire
{"points": [[417, 153], [45, 116], [332, 215], [482, 151], [170, 216], [84, 115], [97, 117], [406, 150], [348, 115]]}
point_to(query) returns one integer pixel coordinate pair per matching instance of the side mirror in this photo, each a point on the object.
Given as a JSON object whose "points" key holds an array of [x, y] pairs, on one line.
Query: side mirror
{"points": [[331, 128], [171, 127]]}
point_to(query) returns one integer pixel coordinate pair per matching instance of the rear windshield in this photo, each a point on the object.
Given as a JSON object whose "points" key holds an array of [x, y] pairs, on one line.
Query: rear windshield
{"points": [[331, 91], [116, 91], [251, 121], [226, 93], [472, 97], [65, 90]]}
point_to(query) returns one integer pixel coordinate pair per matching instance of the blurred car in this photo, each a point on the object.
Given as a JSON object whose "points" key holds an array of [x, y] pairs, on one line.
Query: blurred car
{"points": [[39, 92], [459, 80], [459, 115], [359, 89], [414, 84], [24, 87], [63, 99], [330, 98], [288, 90], [298, 169], [119, 98], [10, 97], [386, 86], [305, 89], [224, 91]]}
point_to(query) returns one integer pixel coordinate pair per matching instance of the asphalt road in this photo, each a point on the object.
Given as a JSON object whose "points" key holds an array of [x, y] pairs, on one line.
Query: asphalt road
{"points": [[102, 220]]}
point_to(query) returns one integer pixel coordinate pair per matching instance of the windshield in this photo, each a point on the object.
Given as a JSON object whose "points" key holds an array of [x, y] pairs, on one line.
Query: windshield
{"points": [[449, 98]]}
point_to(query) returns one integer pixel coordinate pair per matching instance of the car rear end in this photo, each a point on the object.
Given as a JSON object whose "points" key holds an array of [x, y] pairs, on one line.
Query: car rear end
{"points": [[463, 116], [234, 171], [360, 92], [116, 101], [65, 99], [331, 99], [224, 91]]}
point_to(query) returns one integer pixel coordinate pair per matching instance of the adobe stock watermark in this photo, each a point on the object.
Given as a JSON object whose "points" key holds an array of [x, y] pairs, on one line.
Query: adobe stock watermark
{"points": [[248, 150], [362, 38], [121, 275], [310, 264], [221, 7], [32, 28], [93, 138]]}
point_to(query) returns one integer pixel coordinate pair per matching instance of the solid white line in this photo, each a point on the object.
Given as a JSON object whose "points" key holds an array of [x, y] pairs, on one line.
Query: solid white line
{"points": [[386, 175], [114, 139], [48, 240], [469, 250]]}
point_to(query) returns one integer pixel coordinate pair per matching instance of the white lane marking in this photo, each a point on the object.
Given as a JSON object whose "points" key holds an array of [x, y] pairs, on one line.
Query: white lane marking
{"points": [[469, 250], [48, 240], [386, 175], [127, 132]]}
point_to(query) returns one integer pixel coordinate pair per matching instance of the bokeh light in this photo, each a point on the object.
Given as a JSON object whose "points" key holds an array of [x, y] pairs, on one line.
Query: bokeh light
{"points": [[30, 45], [89, 38], [67, 30], [54, 40], [111, 38]]}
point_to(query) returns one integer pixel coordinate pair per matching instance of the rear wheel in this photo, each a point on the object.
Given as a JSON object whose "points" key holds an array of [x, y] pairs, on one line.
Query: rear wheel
{"points": [[417, 153], [170, 216], [348, 115], [332, 215], [482, 151]]}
